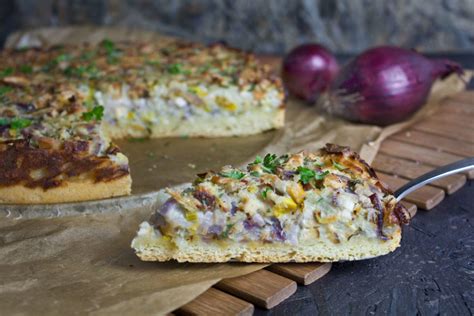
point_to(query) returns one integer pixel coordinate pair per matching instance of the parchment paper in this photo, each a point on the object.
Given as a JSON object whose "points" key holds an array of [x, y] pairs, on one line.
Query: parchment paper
{"points": [[76, 258]]}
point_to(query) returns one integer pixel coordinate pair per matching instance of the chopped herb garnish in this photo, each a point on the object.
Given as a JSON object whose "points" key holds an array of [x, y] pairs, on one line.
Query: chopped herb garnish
{"points": [[4, 121], [95, 114], [271, 162], [19, 123], [108, 45], [338, 166], [306, 174], [89, 71], [176, 69], [252, 87], [265, 191], [318, 163], [234, 174], [255, 174], [257, 160], [87, 55], [62, 58], [321, 175], [6, 72], [4, 90], [113, 53], [26, 69]]}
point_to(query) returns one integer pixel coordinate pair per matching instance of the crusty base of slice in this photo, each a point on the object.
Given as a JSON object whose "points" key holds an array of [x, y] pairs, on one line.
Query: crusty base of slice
{"points": [[248, 123], [68, 192], [357, 248]]}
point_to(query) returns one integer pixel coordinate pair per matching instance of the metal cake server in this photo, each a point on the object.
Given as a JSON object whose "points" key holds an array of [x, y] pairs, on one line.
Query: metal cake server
{"points": [[455, 167]]}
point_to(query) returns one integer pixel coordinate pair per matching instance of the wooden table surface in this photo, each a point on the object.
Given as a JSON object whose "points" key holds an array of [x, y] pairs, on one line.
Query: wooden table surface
{"points": [[432, 273]]}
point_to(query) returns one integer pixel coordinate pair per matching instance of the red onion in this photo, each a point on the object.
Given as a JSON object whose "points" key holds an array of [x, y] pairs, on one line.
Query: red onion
{"points": [[385, 85], [308, 70]]}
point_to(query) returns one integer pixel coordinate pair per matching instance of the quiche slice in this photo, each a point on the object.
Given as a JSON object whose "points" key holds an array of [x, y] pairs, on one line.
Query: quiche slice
{"points": [[58, 154], [323, 206], [61, 106]]}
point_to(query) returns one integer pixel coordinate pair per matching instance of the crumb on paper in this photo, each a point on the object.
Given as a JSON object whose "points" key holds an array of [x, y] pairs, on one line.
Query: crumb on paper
{"points": [[191, 165]]}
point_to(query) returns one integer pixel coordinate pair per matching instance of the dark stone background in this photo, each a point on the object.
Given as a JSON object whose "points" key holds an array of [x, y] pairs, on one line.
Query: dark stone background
{"points": [[266, 26]]}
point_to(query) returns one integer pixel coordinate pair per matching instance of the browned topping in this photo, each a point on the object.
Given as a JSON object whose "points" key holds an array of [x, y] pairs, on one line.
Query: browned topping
{"points": [[380, 216], [48, 168], [402, 214], [207, 200], [137, 65]]}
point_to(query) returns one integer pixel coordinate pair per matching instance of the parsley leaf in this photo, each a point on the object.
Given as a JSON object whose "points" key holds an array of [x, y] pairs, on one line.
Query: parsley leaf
{"points": [[258, 160], [4, 90], [62, 57], [234, 174], [6, 72], [112, 52], [338, 166], [19, 123], [321, 175], [271, 162], [90, 71], [176, 69], [255, 174], [265, 191], [319, 163], [95, 114], [108, 45], [306, 174], [26, 69]]}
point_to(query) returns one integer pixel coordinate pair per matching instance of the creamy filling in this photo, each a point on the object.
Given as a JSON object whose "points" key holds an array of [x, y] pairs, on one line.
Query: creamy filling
{"points": [[179, 102], [331, 215]]}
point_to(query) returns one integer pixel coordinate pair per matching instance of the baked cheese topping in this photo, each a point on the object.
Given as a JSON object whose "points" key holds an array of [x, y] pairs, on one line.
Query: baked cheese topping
{"points": [[139, 85], [331, 195], [63, 104]]}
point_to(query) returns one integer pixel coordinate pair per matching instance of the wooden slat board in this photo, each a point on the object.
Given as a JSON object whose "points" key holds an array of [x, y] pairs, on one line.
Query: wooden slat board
{"points": [[444, 138], [446, 144], [263, 288], [216, 303], [428, 156], [411, 170], [426, 197], [302, 273]]}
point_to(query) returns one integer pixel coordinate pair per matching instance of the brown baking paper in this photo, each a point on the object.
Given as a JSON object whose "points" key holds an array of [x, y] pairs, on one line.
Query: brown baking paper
{"points": [[76, 258]]}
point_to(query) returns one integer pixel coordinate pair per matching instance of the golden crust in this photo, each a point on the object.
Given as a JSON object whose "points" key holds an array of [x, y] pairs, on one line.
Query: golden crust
{"points": [[72, 191], [356, 249]]}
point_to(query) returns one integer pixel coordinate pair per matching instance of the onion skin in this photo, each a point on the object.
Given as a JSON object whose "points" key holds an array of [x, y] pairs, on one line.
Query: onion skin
{"points": [[386, 85], [309, 70]]}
